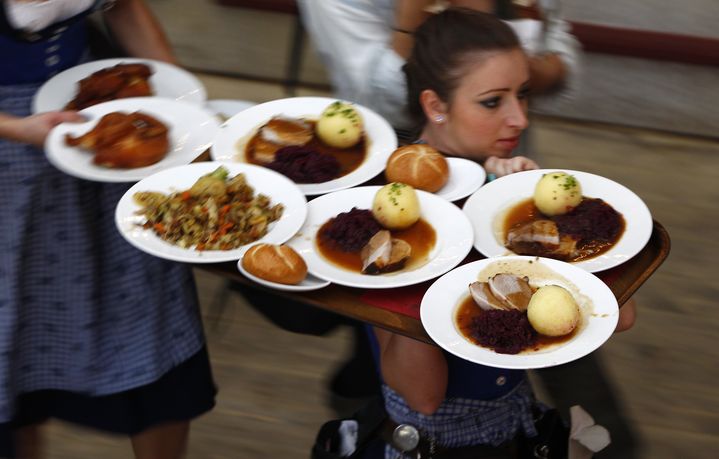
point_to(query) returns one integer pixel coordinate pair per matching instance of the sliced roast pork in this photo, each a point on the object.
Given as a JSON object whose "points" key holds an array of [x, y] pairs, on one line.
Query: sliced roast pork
{"points": [[541, 238], [281, 132], [513, 291], [382, 254], [484, 297]]}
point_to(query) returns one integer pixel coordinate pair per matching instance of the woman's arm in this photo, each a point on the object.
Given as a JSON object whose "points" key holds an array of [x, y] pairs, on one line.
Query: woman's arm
{"points": [[546, 71], [34, 129], [415, 370], [408, 15], [138, 32]]}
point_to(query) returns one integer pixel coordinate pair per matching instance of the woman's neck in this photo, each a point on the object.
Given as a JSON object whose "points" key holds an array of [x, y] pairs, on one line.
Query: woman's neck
{"points": [[432, 137]]}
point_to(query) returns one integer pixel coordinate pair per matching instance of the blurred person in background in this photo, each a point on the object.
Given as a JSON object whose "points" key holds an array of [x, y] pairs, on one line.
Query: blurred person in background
{"points": [[364, 44], [92, 331]]}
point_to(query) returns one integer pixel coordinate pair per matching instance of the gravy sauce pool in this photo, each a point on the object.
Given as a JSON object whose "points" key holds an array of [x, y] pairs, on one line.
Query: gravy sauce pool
{"points": [[525, 211], [420, 236], [539, 275], [468, 310], [349, 158]]}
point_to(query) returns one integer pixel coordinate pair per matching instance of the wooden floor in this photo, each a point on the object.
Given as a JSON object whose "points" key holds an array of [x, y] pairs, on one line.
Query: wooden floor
{"points": [[655, 386]]}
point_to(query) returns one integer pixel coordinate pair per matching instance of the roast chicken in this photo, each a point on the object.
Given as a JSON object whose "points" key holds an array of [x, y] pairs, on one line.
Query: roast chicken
{"points": [[120, 81], [123, 140]]}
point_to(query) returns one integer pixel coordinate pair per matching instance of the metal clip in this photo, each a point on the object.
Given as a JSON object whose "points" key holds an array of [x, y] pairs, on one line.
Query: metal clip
{"points": [[405, 437]]}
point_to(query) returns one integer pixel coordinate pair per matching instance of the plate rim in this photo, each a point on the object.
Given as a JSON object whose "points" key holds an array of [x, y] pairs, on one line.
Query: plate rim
{"points": [[641, 216], [282, 287], [606, 322], [200, 91], [310, 189], [304, 243], [180, 254], [456, 162]]}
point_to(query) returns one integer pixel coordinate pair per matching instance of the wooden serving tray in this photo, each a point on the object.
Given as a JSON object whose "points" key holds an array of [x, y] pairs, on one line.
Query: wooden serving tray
{"points": [[624, 280]]}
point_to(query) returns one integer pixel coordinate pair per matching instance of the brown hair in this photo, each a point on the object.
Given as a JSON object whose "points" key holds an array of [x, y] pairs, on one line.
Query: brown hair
{"points": [[443, 45]]}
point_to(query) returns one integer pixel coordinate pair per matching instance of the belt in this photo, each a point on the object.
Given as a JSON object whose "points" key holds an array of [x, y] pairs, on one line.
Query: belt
{"points": [[413, 444]]}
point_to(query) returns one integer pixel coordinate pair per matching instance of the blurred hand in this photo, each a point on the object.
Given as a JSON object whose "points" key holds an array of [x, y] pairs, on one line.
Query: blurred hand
{"points": [[627, 316], [34, 129], [505, 166]]}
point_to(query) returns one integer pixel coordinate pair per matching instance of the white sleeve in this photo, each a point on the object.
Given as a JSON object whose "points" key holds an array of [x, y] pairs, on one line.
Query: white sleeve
{"points": [[353, 39], [551, 37], [558, 39]]}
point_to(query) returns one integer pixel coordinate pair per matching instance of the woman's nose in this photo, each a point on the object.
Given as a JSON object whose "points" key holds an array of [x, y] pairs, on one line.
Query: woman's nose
{"points": [[517, 117]]}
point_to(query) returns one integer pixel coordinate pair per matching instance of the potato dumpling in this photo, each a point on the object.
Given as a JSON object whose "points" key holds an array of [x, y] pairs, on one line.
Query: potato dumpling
{"points": [[396, 206], [340, 125], [552, 311], [557, 193]]}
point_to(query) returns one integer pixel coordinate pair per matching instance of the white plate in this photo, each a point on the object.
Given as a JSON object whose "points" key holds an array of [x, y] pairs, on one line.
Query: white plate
{"points": [[465, 177], [191, 130], [229, 143], [486, 208], [454, 239], [227, 108], [600, 314], [168, 81], [280, 189], [309, 283]]}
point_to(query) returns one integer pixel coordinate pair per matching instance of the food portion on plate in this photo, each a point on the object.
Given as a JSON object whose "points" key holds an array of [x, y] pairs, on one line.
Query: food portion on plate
{"points": [[418, 165], [560, 222], [535, 312], [311, 151], [275, 263], [217, 212], [117, 82], [348, 144], [124, 140], [517, 308], [390, 237]]}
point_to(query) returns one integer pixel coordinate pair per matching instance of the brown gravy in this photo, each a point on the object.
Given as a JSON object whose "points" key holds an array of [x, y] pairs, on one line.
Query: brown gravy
{"points": [[420, 236], [468, 310], [349, 158], [526, 211]]}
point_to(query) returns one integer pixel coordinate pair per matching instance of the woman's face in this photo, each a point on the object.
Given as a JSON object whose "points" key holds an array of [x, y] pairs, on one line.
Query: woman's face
{"points": [[488, 110]]}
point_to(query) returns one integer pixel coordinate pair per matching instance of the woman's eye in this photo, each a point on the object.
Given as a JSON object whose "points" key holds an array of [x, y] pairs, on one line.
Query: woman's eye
{"points": [[523, 93], [490, 103]]}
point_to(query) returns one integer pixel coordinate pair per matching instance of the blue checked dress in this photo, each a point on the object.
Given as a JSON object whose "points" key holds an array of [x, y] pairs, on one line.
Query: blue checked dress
{"points": [[80, 309], [482, 406]]}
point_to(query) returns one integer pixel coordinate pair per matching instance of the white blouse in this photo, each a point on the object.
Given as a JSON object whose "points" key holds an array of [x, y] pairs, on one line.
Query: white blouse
{"points": [[35, 15]]}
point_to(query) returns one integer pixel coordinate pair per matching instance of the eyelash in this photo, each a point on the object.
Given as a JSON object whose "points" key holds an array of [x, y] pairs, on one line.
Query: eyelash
{"points": [[490, 103], [493, 102]]}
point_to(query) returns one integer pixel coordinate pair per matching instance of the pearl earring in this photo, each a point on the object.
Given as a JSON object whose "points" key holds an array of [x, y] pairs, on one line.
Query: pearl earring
{"points": [[439, 119]]}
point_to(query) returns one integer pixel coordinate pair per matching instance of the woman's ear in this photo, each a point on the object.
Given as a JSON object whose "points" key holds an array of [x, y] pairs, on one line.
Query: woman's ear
{"points": [[434, 108]]}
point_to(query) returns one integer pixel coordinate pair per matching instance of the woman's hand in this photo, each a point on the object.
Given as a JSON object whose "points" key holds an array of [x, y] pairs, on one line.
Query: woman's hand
{"points": [[505, 166], [627, 316], [34, 129]]}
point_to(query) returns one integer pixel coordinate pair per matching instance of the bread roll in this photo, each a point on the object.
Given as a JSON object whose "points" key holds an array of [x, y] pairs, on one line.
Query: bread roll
{"points": [[418, 165], [275, 263]]}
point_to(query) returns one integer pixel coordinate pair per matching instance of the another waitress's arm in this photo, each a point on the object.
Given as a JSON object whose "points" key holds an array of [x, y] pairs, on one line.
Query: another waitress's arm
{"points": [[33, 129], [415, 370], [138, 32]]}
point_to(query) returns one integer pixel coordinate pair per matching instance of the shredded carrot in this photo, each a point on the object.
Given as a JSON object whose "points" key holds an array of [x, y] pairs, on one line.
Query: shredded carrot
{"points": [[159, 227], [225, 227], [185, 195]]}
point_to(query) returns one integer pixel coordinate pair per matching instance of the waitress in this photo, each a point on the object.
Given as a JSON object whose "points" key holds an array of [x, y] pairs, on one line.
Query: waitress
{"points": [[92, 331]]}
